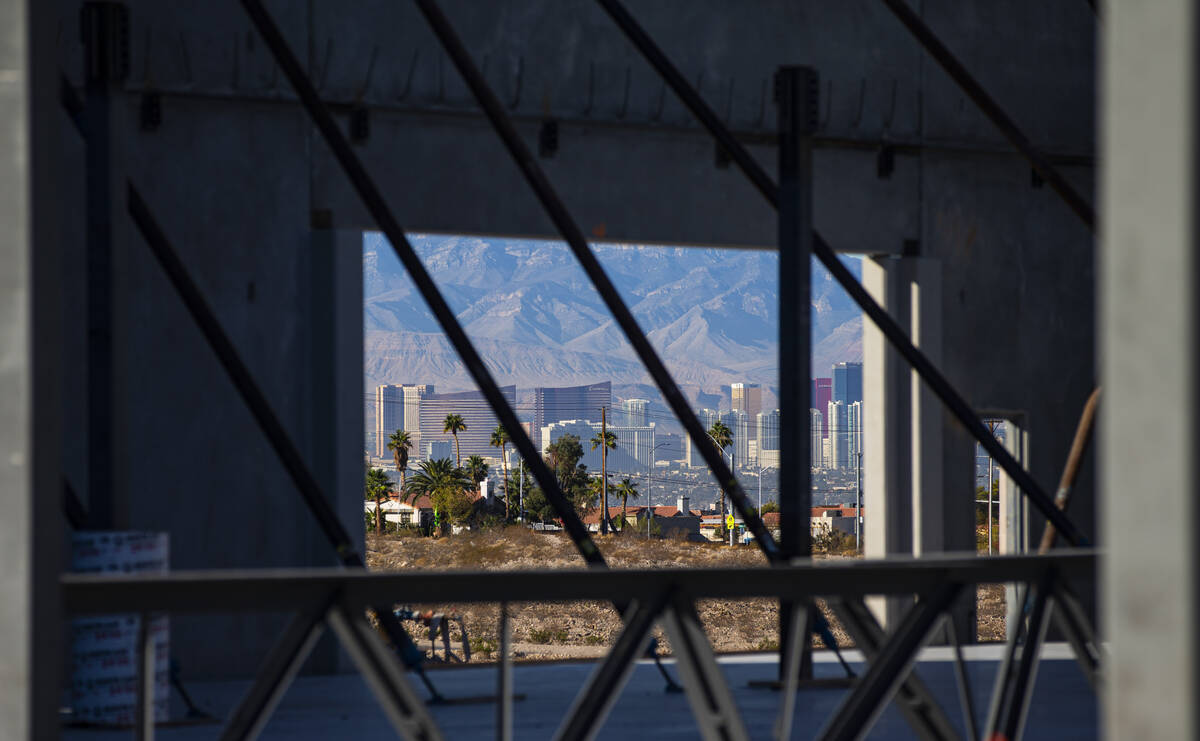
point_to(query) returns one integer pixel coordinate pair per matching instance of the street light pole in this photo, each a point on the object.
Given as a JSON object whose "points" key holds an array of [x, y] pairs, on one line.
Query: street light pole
{"points": [[760, 470], [732, 467], [650, 487]]}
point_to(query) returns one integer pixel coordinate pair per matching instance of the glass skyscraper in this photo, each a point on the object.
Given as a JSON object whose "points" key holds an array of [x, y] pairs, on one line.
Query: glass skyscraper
{"points": [[569, 402], [847, 383]]}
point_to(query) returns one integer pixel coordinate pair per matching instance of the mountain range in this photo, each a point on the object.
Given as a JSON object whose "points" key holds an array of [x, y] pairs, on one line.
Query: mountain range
{"points": [[536, 320]]}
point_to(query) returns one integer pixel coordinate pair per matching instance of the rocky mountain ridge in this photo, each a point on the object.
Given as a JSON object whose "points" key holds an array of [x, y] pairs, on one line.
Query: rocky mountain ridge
{"points": [[536, 319]]}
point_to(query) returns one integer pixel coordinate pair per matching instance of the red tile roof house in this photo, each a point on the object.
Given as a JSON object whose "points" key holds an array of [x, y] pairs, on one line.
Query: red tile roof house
{"points": [[821, 519], [669, 522], [418, 513]]}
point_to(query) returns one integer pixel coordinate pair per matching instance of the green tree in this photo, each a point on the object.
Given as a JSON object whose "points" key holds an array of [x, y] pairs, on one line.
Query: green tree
{"points": [[769, 507], [454, 424], [400, 443], [476, 470], [378, 486], [446, 485], [723, 437], [562, 456], [626, 490], [606, 441], [499, 440], [513, 483]]}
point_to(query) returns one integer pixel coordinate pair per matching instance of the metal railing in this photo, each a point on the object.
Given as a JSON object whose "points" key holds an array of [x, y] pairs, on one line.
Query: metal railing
{"points": [[339, 599]]}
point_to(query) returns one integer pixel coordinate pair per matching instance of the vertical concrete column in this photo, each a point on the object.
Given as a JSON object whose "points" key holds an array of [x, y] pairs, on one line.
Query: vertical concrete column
{"points": [[336, 406], [1013, 510], [902, 441], [30, 334], [924, 292], [1150, 367], [887, 449]]}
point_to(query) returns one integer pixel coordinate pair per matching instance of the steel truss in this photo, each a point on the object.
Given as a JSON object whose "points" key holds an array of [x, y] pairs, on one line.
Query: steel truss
{"points": [[320, 598]]}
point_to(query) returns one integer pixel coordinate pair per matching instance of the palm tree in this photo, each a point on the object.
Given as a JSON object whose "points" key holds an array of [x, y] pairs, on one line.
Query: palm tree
{"points": [[454, 424], [438, 475], [723, 437], [440, 480], [476, 469], [721, 434], [400, 443], [499, 440], [626, 490], [606, 441], [378, 487]]}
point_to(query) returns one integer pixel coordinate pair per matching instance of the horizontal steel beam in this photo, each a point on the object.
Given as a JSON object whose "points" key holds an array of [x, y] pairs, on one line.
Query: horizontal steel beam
{"points": [[295, 589], [903, 144]]}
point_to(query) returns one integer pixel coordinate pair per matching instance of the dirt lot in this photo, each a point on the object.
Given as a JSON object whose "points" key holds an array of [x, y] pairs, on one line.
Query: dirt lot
{"points": [[585, 629]]}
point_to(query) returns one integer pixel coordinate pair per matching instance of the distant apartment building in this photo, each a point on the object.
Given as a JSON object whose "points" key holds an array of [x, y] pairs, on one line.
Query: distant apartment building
{"points": [[738, 423], [435, 449], [632, 453], [854, 438], [636, 441], [389, 416], [555, 404], [747, 398], [767, 424], [838, 436], [670, 447], [413, 396], [822, 394], [425, 412], [693, 457], [816, 454], [633, 412], [847, 383]]}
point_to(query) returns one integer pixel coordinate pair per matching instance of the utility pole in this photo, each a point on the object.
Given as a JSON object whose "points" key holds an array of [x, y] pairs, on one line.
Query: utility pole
{"points": [[649, 494], [521, 489], [604, 469]]}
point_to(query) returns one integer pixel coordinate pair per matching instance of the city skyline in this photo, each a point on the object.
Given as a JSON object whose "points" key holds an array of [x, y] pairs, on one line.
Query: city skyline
{"points": [[754, 437]]}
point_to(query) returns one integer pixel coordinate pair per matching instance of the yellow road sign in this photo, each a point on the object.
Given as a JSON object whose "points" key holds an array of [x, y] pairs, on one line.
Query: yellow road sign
{"points": [[729, 521]]}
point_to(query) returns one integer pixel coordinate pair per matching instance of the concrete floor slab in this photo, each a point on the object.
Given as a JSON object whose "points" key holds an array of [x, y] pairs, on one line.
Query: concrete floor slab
{"points": [[342, 707]]}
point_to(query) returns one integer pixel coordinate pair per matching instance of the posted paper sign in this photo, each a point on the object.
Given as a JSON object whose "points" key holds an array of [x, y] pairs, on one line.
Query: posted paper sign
{"points": [[104, 648]]}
